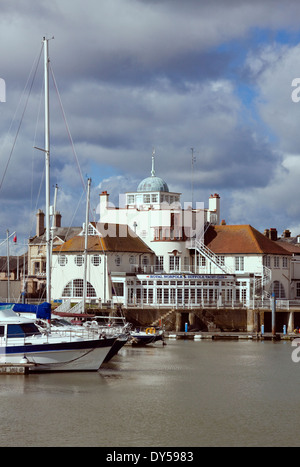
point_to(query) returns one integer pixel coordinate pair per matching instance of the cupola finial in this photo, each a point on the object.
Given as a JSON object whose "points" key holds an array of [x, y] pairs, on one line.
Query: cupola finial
{"points": [[153, 163]]}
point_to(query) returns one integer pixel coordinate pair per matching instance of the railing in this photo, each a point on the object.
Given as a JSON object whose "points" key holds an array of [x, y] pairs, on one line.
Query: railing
{"points": [[64, 307], [262, 281], [78, 308], [45, 336], [189, 304], [260, 303], [199, 246]]}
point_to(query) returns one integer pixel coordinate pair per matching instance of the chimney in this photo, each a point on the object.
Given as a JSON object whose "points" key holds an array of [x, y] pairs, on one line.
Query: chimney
{"points": [[266, 233], [103, 205], [57, 219], [214, 208], [40, 227], [273, 234], [286, 233]]}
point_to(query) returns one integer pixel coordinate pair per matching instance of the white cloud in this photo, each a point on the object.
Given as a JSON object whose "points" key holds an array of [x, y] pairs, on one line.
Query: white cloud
{"points": [[137, 74]]}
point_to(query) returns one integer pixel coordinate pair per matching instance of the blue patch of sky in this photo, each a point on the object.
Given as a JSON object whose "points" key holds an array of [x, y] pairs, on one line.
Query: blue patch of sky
{"points": [[99, 172], [244, 85]]}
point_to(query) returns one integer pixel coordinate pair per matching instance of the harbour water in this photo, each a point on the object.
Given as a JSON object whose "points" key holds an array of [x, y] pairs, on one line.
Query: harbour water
{"points": [[184, 394]]}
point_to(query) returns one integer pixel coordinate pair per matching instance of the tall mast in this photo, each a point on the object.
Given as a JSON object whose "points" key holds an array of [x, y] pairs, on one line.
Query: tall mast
{"points": [[47, 171], [84, 294]]}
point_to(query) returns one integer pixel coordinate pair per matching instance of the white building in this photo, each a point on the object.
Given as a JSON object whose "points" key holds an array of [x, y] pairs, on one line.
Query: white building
{"points": [[155, 214], [113, 252], [197, 260], [152, 252]]}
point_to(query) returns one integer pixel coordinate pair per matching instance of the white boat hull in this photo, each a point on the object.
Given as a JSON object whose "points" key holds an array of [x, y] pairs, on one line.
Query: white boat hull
{"points": [[68, 356]]}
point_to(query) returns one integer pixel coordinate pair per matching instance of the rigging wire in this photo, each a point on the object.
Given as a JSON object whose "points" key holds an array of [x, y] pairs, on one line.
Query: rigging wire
{"points": [[21, 120], [67, 126]]}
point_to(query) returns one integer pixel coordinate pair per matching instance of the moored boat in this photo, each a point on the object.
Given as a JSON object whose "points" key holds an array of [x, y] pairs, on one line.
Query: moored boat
{"points": [[149, 336], [56, 325], [22, 341]]}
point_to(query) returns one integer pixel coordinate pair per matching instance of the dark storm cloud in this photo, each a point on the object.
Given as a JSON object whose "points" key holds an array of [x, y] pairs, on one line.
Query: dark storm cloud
{"points": [[138, 74]]}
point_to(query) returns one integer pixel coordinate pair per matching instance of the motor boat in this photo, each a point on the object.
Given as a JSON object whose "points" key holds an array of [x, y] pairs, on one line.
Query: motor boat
{"points": [[148, 336], [22, 341]]}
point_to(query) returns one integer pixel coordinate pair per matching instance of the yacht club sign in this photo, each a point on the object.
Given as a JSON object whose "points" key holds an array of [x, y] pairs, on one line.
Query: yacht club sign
{"points": [[2, 90]]}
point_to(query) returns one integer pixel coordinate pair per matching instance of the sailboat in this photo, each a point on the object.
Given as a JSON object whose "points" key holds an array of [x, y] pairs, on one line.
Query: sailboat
{"points": [[20, 339]]}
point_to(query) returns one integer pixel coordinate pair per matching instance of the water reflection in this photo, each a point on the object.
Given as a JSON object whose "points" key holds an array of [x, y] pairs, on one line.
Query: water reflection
{"points": [[238, 393]]}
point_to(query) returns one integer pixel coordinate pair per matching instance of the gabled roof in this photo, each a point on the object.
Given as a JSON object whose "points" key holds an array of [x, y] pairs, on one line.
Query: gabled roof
{"points": [[113, 238], [241, 239], [61, 233]]}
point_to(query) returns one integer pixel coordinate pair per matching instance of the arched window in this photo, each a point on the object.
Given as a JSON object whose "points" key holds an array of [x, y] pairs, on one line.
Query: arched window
{"points": [[74, 289], [277, 289], [96, 260], [79, 260], [62, 260]]}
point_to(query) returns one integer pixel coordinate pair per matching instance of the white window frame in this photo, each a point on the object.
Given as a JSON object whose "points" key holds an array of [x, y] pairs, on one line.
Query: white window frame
{"points": [[240, 263]]}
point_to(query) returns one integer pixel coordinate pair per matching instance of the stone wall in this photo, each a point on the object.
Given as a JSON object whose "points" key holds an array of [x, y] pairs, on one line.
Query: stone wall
{"points": [[198, 319]]}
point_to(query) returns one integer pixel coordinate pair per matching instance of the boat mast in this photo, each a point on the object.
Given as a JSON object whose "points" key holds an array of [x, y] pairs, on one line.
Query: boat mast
{"points": [[84, 293], [8, 270], [47, 170]]}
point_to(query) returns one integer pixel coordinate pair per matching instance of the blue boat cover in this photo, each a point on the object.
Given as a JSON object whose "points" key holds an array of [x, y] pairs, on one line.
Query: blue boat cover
{"points": [[42, 311]]}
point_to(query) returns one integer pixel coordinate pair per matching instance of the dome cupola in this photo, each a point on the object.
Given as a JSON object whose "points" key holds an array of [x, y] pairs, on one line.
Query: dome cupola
{"points": [[152, 183]]}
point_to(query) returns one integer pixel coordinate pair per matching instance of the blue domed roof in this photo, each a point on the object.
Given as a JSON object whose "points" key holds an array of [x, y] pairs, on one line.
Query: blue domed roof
{"points": [[153, 184]]}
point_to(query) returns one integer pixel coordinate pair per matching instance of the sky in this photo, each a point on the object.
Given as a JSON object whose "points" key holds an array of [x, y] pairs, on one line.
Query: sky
{"points": [[212, 80]]}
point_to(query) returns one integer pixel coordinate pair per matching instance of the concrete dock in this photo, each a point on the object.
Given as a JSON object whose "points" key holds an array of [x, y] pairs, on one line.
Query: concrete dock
{"points": [[228, 335], [15, 369]]}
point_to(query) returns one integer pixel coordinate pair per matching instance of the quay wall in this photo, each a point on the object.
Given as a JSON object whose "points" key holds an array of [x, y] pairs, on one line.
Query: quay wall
{"points": [[209, 320], [198, 319]]}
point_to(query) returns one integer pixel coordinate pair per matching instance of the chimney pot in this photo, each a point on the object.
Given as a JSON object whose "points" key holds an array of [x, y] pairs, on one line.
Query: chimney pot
{"points": [[40, 227], [273, 234], [57, 219]]}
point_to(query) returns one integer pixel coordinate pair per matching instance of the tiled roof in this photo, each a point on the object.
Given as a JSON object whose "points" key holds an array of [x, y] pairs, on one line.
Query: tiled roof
{"points": [[241, 239], [289, 246], [14, 262], [115, 238], [64, 233]]}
